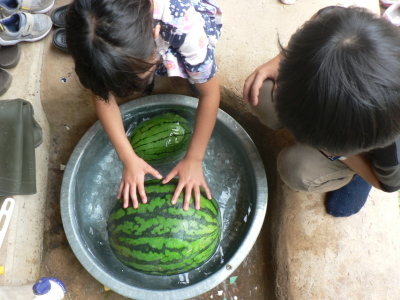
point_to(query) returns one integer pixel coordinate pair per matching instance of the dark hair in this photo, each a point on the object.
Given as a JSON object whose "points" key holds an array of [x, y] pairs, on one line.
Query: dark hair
{"points": [[111, 42], [338, 87]]}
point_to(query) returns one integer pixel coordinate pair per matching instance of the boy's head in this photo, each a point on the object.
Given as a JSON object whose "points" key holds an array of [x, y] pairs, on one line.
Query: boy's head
{"points": [[112, 45], [338, 87]]}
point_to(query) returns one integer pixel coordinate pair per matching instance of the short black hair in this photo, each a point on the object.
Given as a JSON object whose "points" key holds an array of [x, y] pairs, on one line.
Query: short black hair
{"points": [[338, 87], [111, 42]]}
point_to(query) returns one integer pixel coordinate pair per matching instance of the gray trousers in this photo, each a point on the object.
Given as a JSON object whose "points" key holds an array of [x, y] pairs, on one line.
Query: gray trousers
{"points": [[301, 167]]}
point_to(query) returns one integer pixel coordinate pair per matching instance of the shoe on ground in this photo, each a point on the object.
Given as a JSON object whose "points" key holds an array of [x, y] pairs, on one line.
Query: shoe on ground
{"points": [[387, 3], [9, 7], [5, 81], [9, 56], [58, 15], [289, 2], [24, 27], [392, 14], [60, 39]]}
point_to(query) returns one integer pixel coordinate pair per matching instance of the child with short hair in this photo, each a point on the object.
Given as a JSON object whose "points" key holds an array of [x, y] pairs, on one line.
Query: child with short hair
{"points": [[119, 45], [337, 90]]}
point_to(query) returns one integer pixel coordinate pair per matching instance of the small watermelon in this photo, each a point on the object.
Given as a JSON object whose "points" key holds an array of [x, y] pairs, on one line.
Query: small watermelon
{"points": [[162, 138], [159, 238]]}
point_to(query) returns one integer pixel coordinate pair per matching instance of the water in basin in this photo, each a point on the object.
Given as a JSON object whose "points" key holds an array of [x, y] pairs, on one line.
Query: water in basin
{"points": [[233, 176]]}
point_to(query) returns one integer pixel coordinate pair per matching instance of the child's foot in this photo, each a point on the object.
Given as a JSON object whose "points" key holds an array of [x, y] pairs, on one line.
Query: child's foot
{"points": [[349, 199], [288, 1]]}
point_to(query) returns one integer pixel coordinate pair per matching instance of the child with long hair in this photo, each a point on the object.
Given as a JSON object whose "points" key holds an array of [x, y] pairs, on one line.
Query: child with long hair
{"points": [[119, 45]]}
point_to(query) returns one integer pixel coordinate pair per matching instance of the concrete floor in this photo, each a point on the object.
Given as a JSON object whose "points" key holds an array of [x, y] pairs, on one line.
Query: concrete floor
{"points": [[70, 113]]}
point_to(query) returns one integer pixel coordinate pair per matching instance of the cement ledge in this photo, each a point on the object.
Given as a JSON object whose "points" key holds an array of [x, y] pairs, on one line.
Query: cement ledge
{"points": [[21, 251]]}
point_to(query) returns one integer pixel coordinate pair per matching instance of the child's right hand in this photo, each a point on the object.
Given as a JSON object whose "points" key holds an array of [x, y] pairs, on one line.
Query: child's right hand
{"points": [[132, 182], [254, 82]]}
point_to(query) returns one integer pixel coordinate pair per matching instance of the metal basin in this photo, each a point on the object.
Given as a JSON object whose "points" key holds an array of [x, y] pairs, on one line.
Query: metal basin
{"points": [[234, 172]]}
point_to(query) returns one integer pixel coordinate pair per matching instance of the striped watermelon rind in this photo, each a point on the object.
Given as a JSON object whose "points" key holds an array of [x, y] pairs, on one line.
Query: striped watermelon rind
{"points": [[159, 238], [163, 138]]}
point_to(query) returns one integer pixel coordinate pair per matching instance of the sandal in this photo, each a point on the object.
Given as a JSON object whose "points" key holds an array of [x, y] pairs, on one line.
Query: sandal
{"points": [[58, 16], [5, 81], [392, 14], [60, 39], [9, 56]]}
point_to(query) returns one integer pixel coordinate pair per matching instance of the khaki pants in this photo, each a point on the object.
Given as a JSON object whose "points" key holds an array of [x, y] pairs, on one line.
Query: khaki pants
{"points": [[301, 167]]}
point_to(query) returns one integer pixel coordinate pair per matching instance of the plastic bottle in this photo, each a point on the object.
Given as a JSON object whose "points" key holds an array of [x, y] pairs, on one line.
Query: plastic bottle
{"points": [[49, 288]]}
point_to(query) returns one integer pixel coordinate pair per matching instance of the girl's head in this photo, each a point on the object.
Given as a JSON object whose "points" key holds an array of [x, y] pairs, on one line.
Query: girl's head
{"points": [[338, 84], [112, 44]]}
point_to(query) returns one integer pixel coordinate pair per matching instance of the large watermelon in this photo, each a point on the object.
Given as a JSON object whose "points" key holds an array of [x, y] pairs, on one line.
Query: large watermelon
{"points": [[159, 238], [162, 138]]}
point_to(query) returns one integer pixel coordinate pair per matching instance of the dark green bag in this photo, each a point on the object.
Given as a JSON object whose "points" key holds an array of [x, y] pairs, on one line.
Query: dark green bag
{"points": [[19, 135]]}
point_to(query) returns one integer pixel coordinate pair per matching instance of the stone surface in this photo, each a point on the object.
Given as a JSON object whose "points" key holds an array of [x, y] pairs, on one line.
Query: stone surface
{"points": [[21, 251]]}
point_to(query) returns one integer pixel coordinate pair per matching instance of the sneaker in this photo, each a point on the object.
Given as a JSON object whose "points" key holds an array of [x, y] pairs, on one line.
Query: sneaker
{"points": [[392, 14], [9, 7], [24, 27], [289, 2], [387, 3]]}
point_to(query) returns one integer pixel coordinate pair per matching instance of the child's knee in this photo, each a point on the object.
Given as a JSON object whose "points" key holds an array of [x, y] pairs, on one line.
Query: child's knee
{"points": [[265, 110], [291, 167]]}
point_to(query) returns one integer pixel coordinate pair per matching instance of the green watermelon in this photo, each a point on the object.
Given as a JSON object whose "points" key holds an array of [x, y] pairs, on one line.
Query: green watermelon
{"points": [[162, 138], [159, 238]]}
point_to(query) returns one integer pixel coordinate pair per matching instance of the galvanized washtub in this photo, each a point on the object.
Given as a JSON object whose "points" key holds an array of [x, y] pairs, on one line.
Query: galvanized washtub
{"points": [[234, 172]]}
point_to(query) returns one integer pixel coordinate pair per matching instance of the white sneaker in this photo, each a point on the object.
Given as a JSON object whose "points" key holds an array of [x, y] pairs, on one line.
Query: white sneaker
{"points": [[24, 27], [7, 8], [387, 3], [288, 1], [392, 14]]}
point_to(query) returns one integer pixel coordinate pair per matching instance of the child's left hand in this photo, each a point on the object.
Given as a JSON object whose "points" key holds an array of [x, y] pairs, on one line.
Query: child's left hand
{"points": [[191, 178]]}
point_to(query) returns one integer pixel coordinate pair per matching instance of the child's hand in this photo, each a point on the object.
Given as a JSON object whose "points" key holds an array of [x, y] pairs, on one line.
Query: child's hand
{"points": [[191, 178], [253, 83], [132, 182]]}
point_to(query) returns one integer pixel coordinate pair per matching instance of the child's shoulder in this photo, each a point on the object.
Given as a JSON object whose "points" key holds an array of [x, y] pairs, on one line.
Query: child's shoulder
{"points": [[167, 10]]}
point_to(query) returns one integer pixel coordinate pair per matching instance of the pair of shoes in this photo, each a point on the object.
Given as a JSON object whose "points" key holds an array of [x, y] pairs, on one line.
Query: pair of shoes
{"points": [[5, 81], [392, 14], [9, 56], [59, 36], [24, 27], [387, 3], [9, 7]]}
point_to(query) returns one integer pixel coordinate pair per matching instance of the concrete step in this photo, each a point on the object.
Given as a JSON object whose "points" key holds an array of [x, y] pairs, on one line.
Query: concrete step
{"points": [[21, 251]]}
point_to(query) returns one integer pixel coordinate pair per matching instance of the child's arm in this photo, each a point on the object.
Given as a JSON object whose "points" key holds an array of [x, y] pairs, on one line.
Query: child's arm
{"points": [[135, 168], [361, 164], [254, 82], [190, 169]]}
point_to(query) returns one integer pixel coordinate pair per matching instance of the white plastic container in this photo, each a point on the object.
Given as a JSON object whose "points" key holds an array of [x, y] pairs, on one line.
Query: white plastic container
{"points": [[47, 288]]}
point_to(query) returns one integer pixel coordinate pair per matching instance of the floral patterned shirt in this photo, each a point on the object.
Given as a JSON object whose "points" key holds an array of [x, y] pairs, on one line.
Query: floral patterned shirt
{"points": [[189, 32]]}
